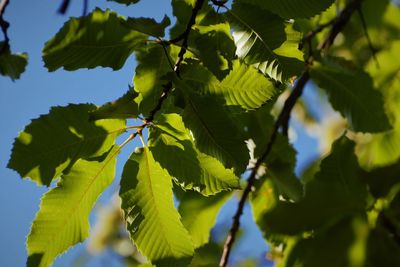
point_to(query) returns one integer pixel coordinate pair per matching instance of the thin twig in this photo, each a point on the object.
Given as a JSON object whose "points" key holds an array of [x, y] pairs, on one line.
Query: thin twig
{"points": [[85, 7], [283, 122], [4, 26], [369, 41], [168, 87], [340, 23], [63, 7]]}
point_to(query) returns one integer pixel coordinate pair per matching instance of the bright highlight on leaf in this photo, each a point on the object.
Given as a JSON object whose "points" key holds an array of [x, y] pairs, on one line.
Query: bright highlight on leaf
{"points": [[152, 221], [271, 47], [63, 217]]}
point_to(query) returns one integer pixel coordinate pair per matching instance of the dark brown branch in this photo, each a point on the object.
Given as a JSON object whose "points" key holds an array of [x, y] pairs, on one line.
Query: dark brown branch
{"points": [[85, 7], [283, 122], [340, 23], [4, 26], [63, 7], [181, 54]]}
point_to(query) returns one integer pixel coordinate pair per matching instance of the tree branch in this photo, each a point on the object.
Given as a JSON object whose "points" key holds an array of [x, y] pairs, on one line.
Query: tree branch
{"points": [[185, 37], [4, 26], [283, 122], [63, 7]]}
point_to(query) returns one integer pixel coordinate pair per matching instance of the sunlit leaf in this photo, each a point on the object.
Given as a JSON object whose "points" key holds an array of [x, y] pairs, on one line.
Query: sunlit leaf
{"points": [[63, 218], [271, 47], [244, 86], [152, 221], [199, 215]]}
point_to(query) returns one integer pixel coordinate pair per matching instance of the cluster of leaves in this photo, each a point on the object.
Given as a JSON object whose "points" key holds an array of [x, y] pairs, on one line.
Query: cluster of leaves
{"points": [[232, 64]]}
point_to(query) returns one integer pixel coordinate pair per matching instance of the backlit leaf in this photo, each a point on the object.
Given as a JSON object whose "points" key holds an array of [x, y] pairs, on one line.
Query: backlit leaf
{"points": [[63, 218], [152, 221], [244, 86], [271, 47], [199, 214]]}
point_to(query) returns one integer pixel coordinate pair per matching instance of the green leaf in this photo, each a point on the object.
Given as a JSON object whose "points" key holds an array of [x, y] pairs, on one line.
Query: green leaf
{"points": [[292, 9], [149, 26], [214, 131], [244, 86], [213, 44], [63, 218], [280, 164], [347, 239], [335, 192], [384, 148], [153, 65], [124, 107], [52, 144], [196, 171], [199, 215], [126, 2], [12, 65], [182, 10], [99, 39], [271, 47], [152, 221], [351, 92]]}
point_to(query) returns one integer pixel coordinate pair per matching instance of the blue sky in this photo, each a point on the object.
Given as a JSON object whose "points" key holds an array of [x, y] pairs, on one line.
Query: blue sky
{"points": [[32, 24]]}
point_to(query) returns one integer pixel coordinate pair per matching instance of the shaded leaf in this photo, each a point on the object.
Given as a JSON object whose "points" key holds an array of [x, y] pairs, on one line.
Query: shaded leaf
{"points": [[63, 218], [336, 191], [52, 144], [152, 221], [99, 39], [199, 215], [12, 65], [196, 171], [149, 26], [152, 66], [292, 9], [123, 108], [347, 239], [213, 43], [214, 131], [271, 47], [351, 92]]}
